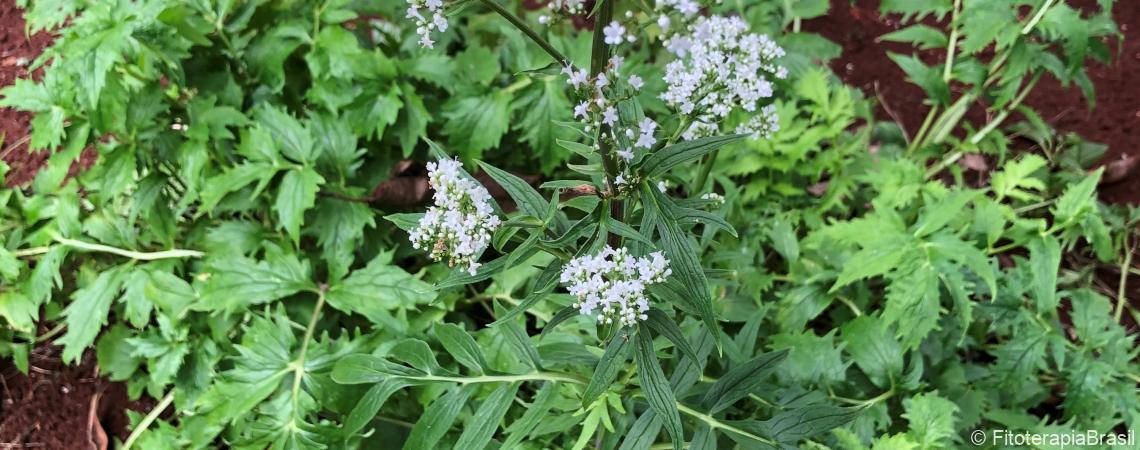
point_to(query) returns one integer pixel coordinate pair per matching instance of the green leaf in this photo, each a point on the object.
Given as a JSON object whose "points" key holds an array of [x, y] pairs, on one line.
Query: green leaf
{"points": [[88, 312], [477, 433], [475, 124], [874, 349], [339, 226], [297, 194], [1044, 262], [659, 162], [370, 404], [461, 346], [929, 78], [657, 390], [924, 37], [236, 281], [290, 135], [664, 326], [540, 108], [806, 422], [912, 10], [682, 257], [534, 414], [784, 241], [546, 282], [378, 288], [1078, 200], [529, 201], [10, 267], [931, 419], [936, 215], [1017, 176], [437, 419], [613, 360], [741, 380]]}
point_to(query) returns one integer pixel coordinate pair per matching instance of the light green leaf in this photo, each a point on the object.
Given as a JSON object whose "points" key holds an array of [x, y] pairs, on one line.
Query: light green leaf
{"points": [[88, 312], [378, 288], [613, 360], [297, 194], [741, 380], [1044, 262]]}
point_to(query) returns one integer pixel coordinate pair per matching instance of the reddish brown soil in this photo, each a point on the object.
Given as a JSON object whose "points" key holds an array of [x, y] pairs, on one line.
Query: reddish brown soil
{"points": [[50, 407], [864, 64], [17, 50]]}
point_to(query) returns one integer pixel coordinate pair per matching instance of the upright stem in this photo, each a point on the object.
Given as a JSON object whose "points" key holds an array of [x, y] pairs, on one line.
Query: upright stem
{"points": [[149, 419], [299, 364], [952, 47], [527, 30], [599, 58], [1121, 291]]}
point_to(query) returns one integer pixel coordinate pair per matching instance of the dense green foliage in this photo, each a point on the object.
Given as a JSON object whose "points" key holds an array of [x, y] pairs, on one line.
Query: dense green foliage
{"points": [[853, 290]]}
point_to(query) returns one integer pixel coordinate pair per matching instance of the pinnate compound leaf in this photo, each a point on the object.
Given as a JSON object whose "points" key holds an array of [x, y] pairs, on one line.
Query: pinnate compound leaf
{"points": [[657, 390], [88, 312], [377, 288]]}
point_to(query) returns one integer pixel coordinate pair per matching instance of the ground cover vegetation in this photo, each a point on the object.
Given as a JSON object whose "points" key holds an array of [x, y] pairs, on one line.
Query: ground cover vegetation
{"points": [[645, 224]]}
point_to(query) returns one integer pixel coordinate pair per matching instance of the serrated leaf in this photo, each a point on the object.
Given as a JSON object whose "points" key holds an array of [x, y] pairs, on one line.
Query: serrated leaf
{"points": [[378, 288], [664, 326], [475, 124], [1044, 262], [238, 281], [297, 194], [88, 312], [874, 349], [924, 37]]}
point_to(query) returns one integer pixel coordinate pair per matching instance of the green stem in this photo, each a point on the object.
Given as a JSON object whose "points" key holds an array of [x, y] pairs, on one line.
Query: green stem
{"points": [[599, 58], [952, 47], [527, 30], [1037, 17], [148, 420], [299, 363], [143, 256], [1121, 298], [715, 424], [914, 143]]}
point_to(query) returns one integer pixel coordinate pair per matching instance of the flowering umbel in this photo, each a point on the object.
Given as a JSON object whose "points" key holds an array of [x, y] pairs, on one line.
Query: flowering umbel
{"points": [[721, 67], [611, 284], [460, 224]]}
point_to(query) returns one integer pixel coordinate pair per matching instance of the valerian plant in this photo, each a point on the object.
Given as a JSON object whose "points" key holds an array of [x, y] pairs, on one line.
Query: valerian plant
{"points": [[713, 257]]}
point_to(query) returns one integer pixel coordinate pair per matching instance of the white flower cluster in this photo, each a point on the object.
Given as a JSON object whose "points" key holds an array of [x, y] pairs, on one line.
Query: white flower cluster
{"points": [[459, 226], [611, 284], [721, 67], [563, 8], [598, 109], [425, 25]]}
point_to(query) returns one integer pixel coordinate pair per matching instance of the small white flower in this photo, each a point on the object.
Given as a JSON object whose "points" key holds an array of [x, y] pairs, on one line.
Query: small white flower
{"points": [[614, 33], [424, 25], [635, 82], [610, 285], [544, 19], [663, 22], [609, 116], [616, 61], [459, 226], [626, 154], [662, 186], [619, 180], [582, 110]]}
